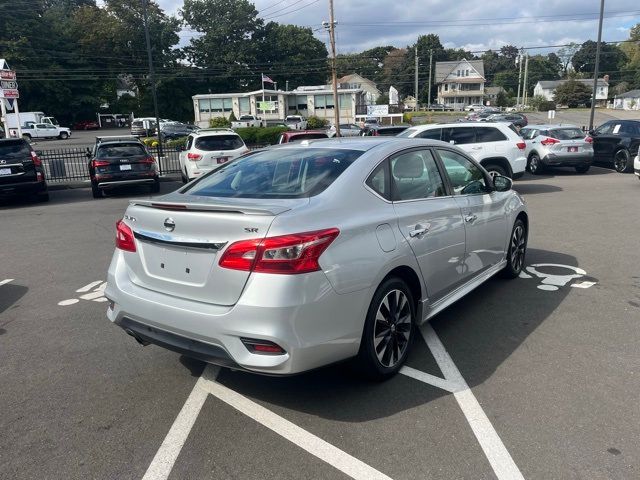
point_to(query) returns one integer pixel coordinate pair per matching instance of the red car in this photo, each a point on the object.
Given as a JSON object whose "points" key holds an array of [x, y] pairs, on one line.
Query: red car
{"points": [[86, 125], [299, 135]]}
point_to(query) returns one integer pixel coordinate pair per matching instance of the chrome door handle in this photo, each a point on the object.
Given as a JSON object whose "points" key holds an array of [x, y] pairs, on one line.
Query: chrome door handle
{"points": [[476, 148], [470, 217], [419, 230]]}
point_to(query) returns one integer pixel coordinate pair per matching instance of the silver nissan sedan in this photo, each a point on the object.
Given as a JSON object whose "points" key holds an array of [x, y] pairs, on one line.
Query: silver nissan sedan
{"points": [[305, 254]]}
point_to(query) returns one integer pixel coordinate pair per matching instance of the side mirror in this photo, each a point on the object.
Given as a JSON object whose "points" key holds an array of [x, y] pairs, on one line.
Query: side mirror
{"points": [[592, 133], [88, 153], [502, 184]]}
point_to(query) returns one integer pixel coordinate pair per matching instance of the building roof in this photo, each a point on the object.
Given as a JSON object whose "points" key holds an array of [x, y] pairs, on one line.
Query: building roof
{"points": [[320, 91], [553, 84], [630, 94], [443, 69]]}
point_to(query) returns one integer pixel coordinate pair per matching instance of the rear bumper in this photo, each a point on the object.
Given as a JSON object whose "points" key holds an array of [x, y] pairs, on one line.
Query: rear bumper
{"points": [[106, 184], [301, 313], [553, 160], [22, 188]]}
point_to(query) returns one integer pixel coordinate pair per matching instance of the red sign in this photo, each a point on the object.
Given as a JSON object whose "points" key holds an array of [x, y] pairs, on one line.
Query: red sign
{"points": [[7, 75], [9, 93]]}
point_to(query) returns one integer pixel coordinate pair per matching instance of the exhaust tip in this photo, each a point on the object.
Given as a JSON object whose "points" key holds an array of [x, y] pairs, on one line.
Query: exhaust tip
{"points": [[142, 342]]}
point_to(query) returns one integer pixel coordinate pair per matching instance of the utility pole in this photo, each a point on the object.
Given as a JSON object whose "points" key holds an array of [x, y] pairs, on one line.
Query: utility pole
{"points": [[595, 70], [430, 73], [334, 77], [152, 78], [519, 77], [524, 82], [415, 86]]}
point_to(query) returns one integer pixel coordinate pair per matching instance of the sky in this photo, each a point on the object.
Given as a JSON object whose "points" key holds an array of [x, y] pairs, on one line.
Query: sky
{"points": [[475, 25]]}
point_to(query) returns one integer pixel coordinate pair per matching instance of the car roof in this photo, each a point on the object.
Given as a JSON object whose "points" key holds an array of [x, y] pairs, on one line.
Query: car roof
{"points": [[213, 131], [552, 125], [456, 124], [362, 143]]}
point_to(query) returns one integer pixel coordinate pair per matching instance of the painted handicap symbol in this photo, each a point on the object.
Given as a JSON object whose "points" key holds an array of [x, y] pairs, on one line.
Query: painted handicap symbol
{"points": [[554, 281]]}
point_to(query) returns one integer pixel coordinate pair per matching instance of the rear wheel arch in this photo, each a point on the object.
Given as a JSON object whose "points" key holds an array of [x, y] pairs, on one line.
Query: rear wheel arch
{"points": [[412, 279], [499, 161]]}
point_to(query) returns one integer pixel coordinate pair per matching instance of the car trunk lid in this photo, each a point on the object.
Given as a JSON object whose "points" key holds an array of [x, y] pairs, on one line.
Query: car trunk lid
{"points": [[178, 243]]}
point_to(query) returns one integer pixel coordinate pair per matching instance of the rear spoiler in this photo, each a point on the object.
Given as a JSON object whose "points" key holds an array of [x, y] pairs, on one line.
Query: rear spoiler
{"points": [[213, 206]]}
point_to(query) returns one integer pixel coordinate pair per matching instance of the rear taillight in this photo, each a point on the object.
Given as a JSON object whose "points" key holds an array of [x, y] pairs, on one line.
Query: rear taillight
{"points": [[194, 157], [549, 141], [521, 145], [286, 254], [99, 163], [124, 237], [36, 161], [588, 139], [148, 160]]}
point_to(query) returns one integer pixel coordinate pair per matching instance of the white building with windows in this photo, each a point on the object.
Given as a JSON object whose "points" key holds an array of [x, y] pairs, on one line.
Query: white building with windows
{"points": [[460, 83], [306, 101], [547, 89]]}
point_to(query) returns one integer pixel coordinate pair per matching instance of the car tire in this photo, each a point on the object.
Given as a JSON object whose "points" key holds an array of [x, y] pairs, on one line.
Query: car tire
{"points": [[535, 165], [95, 190], [63, 136], [517, 250], [496, 169], [384, 360], [582, 168], [155, 188], [27, 137], [185, 178], [622, 161]]}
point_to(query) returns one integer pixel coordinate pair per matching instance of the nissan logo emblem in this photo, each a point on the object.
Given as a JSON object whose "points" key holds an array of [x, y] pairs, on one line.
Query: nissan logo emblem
{"points": [[169, 224]]}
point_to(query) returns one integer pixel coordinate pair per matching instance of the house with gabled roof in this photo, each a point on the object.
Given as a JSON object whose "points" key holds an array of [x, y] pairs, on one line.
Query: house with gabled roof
{"points": [[460, 83]]}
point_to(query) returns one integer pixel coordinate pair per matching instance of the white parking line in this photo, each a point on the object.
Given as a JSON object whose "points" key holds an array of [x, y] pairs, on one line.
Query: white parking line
{"points": [[5, 281], [503, 465], [298, 436], [166, 456], [88, 287]]}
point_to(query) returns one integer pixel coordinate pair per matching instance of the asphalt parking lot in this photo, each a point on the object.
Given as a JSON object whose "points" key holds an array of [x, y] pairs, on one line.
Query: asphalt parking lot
{"points": [[533, 378]]}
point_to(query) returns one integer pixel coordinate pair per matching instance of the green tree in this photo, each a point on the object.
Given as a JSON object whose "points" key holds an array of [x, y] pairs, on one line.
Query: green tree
{"points": [[572, 93], [611, 58]]}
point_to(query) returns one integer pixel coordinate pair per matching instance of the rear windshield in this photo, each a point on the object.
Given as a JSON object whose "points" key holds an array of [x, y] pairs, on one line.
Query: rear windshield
{"points": [[118, 151], [219, 142], [306, 136], [280, 173], [137, 123], [566, 133], [409, 132], [14, 150]]}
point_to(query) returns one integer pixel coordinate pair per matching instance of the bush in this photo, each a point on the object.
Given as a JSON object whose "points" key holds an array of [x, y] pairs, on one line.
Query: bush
{"points": [[148, 141], [232, 118], [219, 122], [177, 142], [315, 122], [260, 136], [546, 106]]}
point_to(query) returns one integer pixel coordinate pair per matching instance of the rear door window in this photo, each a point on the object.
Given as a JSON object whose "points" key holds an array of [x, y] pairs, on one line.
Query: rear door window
{"points": [[489, 134], [283, 173], [431, 134], [219, 142], [415, 176], [459, 135], [566, 133]]}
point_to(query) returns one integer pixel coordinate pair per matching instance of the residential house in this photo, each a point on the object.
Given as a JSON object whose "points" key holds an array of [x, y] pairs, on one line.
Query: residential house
{"points": [[627, 101], [491, 94], [547, 89], [460, 83], [357, 82]]}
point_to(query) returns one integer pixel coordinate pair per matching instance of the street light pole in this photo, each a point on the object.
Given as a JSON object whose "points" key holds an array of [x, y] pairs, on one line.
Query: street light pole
{"points": [[596, 68], [152, 77], [334, 76]]}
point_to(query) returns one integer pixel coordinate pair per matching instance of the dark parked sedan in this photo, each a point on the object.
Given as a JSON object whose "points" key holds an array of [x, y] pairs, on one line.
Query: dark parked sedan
{"points": [[121, 161], [616, 143], [516, 119], [174, 130], [21, 171], [383, 130]]}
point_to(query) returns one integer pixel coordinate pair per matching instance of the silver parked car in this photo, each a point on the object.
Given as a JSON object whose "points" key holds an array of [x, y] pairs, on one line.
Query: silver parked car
{"points": [[557, 146], [305, 254]]}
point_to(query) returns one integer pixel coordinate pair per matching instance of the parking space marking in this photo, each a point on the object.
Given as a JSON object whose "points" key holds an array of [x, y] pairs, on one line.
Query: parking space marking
{"points": [[97, 295], [503, 465], [438, 382], [88, 287], [5, 281], [332, 455], [166, 456]]}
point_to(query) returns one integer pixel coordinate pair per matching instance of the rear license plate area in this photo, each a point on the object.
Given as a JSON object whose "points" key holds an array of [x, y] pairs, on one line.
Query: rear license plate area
{"points": [[5, 171], [125, 167], [220, 160], [573, 149], [177, 264]]}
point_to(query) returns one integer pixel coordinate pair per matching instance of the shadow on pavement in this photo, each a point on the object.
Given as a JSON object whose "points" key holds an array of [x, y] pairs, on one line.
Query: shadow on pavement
{"points": [[480, 332], [9, 295], [533, 188]]}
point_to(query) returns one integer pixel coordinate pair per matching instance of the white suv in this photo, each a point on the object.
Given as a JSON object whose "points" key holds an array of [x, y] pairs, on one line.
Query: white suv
{"points": [[497, 146], [208, 149]]}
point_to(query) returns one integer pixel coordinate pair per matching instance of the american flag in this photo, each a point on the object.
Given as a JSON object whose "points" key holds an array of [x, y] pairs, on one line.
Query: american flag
{"points": [[266, 79]]}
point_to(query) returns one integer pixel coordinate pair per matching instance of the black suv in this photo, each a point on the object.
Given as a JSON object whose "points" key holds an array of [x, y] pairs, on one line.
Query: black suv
{"points": [[21, 171], [616, 143], [121, 161]]}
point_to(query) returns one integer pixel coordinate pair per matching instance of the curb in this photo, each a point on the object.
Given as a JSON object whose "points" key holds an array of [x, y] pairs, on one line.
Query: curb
{"points": [[70, 185]]}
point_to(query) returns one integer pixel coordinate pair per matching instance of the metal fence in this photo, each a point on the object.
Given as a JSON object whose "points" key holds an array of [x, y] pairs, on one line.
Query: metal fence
{"points": [[68, 164]]}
